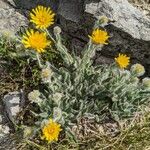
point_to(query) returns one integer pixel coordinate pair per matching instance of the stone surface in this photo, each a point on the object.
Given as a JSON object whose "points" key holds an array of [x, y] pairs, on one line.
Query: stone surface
{"points": [[129, 28], [72, 10], [124, 16], [29, 4], [143, 5], [10, 19], [121, 12], [12, 105], [4, 128], [9, 143]]}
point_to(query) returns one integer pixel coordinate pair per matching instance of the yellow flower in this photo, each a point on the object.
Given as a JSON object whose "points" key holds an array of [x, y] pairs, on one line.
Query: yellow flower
{"points": [[122, 60], [51, 131], [42, 17], [36, 40], [138, 69], [99, 36]]}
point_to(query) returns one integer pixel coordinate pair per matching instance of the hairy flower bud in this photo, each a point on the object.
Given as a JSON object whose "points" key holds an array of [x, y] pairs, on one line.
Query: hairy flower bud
{"points": [[57, 97], [57, 30], [146, 83], [46, 75], [104, 19], [34, 96], [138, 69], [27, 132]]}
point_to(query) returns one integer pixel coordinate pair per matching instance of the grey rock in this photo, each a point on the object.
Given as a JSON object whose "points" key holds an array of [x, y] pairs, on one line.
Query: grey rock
{"points": [[125, 17], [4, 129], [72, 10], [13, 102], [9, 142], [129, 28], [29, 4], [10, 20]]}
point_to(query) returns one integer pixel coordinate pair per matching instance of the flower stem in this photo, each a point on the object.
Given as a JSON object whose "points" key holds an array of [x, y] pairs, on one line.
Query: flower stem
{"points": [[50, 36], [35, 144], [38, 59]]}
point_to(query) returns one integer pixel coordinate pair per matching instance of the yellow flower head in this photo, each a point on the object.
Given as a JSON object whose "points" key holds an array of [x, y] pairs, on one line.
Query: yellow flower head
{"points": [[99, 36], [138, 69], [51, 131], [42, 17], [122, 60], [36, 40]]}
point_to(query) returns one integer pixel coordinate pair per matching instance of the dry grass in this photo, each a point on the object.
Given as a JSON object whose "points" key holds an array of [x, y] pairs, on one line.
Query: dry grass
{"points": [[133, 136]]}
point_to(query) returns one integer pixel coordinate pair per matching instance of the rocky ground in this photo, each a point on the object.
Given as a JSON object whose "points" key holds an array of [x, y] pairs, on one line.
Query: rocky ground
{"points": [[129, 28]]}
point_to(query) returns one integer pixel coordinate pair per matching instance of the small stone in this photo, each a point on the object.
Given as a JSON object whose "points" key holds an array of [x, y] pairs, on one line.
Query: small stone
{"points": [[12, 102], [15, 100], [2, 135], [6, 129], [14, 110]]}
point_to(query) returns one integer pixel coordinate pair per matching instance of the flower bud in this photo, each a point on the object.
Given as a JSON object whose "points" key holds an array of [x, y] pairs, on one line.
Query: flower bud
{"points": [[57, 97], [34, 96], [138, 69], [146, 83], [27, 132], [104, 20], [46, 75], [57, 30]]}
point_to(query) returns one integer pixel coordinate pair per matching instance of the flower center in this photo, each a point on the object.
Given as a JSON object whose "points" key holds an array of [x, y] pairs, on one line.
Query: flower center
{"points": [[51, 131], [42, 19], [37, 41]]}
